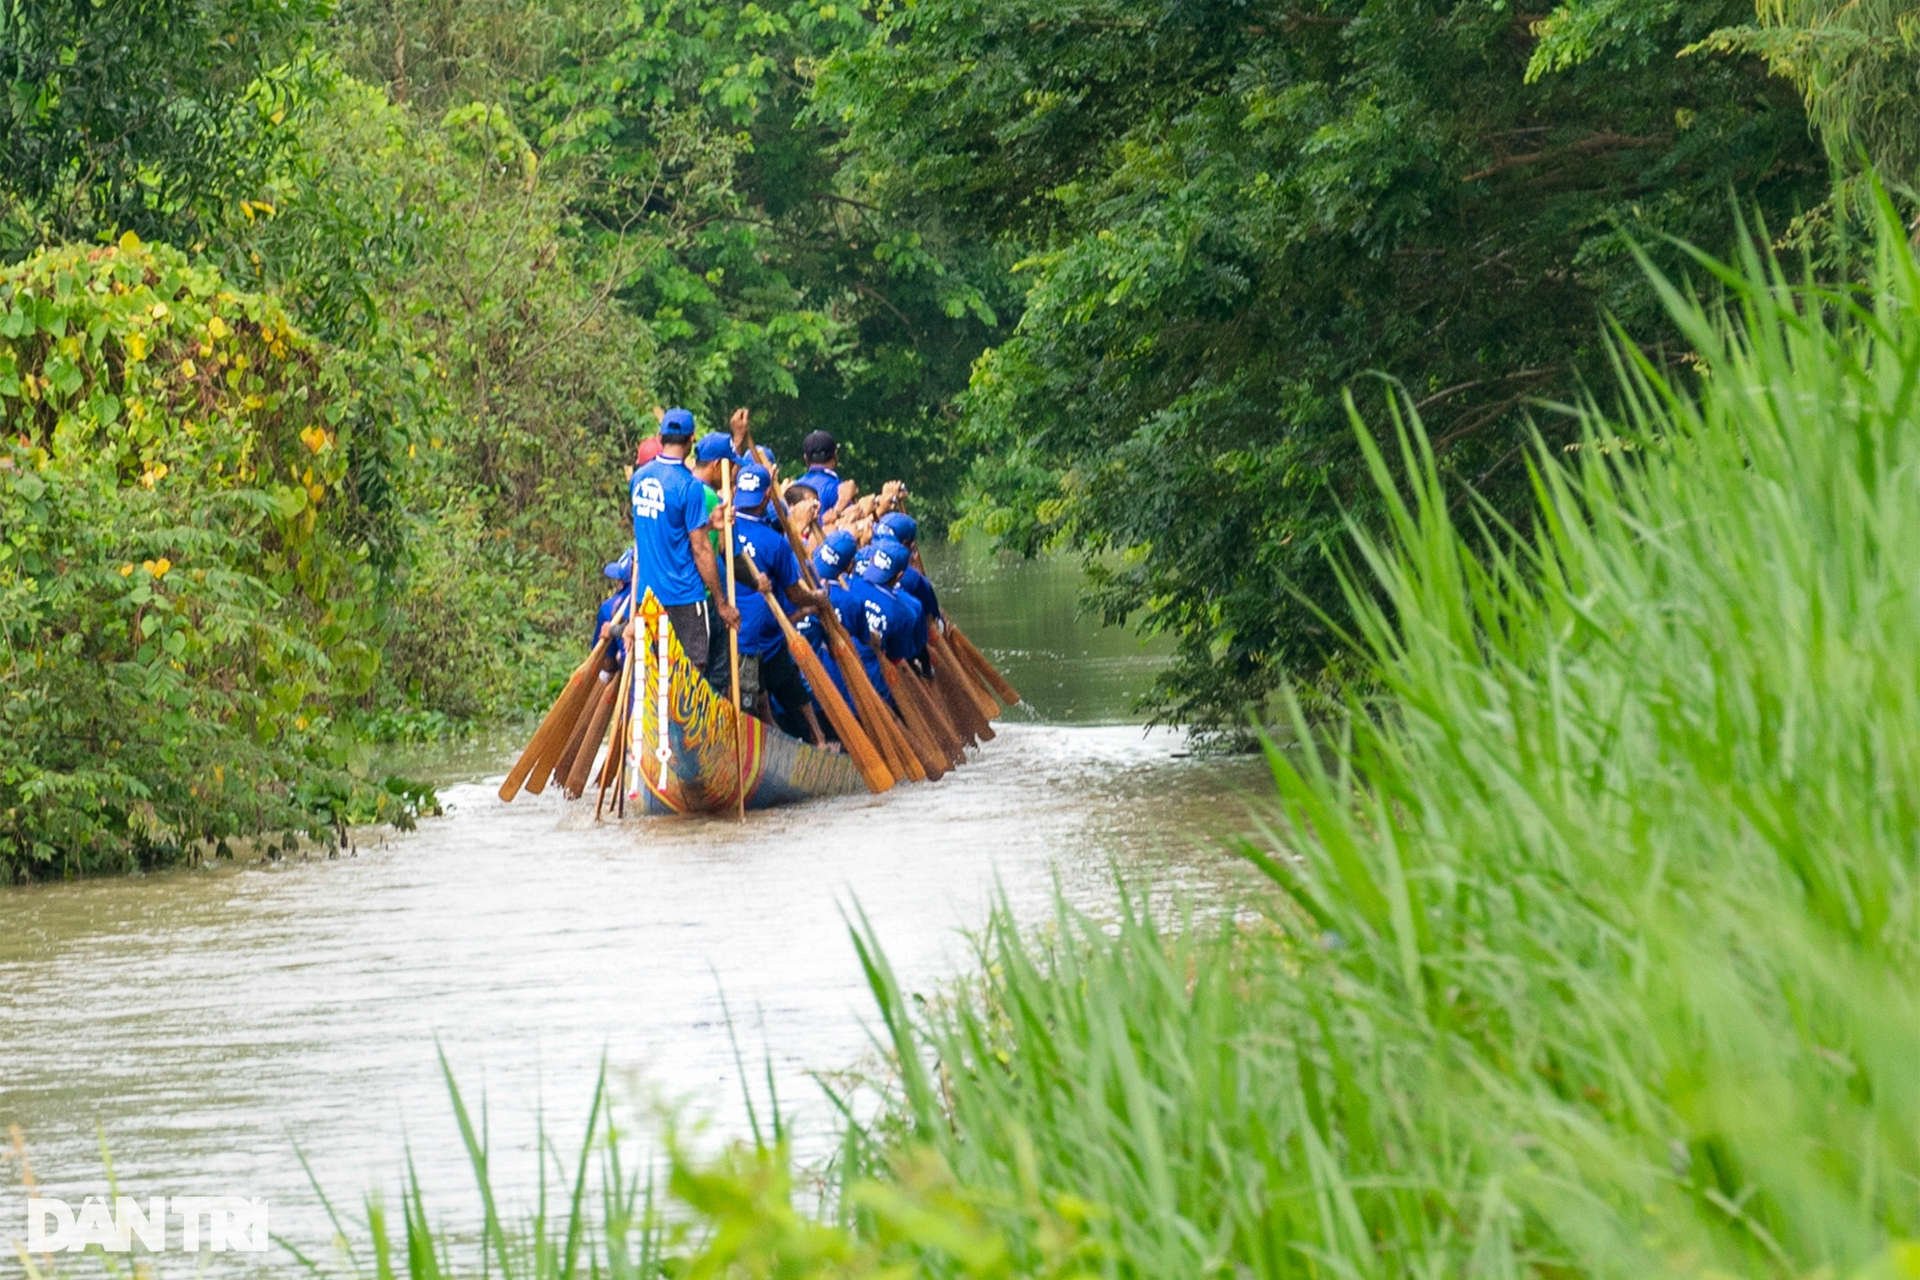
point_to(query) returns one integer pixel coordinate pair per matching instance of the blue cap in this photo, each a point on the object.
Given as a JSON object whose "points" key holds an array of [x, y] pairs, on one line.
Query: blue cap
{"points": [[901, 525], [715, 446], [621, 570], [835, 554], [885, 559], [677, 424], [752, 486]]}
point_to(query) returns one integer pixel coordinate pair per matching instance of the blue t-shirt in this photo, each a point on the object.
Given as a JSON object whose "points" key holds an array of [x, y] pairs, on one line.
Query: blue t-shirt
{"points": [[616, 641], [868, 628], [824, 481], [890, 619], [917, 629], [913, 603], [668, 506], [832, 669], [769, 550], [914, 583]]}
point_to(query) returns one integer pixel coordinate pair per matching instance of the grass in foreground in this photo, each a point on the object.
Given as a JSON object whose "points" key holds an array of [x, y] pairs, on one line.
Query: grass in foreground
{"points": [[1596, 953]]}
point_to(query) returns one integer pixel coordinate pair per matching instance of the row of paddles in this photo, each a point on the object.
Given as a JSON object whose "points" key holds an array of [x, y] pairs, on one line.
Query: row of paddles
{"points": [[939, 716]]}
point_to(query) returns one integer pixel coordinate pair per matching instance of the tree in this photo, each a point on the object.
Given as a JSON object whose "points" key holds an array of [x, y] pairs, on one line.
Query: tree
{"points": [[154, 116], [1232, 214], [778, 283], [1855, 65]]}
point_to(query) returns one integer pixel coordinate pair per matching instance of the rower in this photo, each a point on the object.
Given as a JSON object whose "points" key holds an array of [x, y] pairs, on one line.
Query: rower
{"points": [[890, 619], [803, 514], [821, 452], [670, 523], [621, 571], [831, 563], [906, 531], [709, 452], [761, 637]]}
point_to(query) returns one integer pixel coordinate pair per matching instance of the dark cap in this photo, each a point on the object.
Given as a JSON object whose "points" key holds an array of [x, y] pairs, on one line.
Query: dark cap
{"points": [[819, 446]]}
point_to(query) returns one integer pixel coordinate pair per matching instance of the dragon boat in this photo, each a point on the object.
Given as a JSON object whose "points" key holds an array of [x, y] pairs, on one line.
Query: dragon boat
{"points": [[698, 764], [676, 746]]}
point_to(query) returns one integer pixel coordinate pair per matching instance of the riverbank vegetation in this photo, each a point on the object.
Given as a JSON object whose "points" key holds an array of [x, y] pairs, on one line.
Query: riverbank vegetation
{"points": [[1586, 944], [1093, 278]]}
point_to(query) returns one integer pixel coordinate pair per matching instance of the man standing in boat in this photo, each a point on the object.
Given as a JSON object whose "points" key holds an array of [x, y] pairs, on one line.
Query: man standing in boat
{"points": [[670, 523], [821, 452]]}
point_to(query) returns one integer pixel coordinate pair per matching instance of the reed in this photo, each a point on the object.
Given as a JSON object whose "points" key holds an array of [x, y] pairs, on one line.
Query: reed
{"points": [[1594, 951]]}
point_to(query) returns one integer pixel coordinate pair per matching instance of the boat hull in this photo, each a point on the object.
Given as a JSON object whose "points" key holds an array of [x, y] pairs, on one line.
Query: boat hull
{"points": [[703, 771]]}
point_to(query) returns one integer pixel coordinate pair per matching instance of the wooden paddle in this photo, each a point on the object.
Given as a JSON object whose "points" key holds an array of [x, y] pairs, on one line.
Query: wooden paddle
{"points": [[948, 668], [576, 782], [966, 721], [621, 726], [551, 735], [559, 722], [920, 736], [891, 735], [866, 757], [994, 680], [939, 719], [563, 764]]}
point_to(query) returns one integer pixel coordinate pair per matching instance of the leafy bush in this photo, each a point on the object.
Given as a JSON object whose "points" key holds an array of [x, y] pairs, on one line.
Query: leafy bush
{"points": [[476, 619], [178, 606], [155, 116]]}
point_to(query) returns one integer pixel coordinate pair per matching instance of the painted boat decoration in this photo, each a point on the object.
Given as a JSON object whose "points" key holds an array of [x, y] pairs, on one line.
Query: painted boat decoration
{"points": [[695, 767]]}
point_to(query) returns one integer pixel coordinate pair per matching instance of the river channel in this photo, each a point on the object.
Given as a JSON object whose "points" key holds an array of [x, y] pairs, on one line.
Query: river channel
{"points": [[206, 1023]]}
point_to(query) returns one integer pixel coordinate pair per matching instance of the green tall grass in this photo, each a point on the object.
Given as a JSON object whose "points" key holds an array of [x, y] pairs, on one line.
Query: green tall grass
{"points": [[1596, 951], [1592, 945]]}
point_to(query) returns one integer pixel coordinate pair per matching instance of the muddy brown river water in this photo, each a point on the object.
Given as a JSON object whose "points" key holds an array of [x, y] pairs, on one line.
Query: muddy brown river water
{"points": [[208, 1022]]}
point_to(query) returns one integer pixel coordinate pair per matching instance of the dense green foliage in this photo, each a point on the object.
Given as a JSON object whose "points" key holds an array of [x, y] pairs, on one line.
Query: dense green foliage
{"points": [[178, 600], [703, 172], [1854, 65], [1231, 217], [784, 286], [144, 115], [436, 256], [1089, 275]]}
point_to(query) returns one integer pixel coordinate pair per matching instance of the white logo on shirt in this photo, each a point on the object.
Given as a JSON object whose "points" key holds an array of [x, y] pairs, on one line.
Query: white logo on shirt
{"points": [[876, 619], [649, 498]]}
